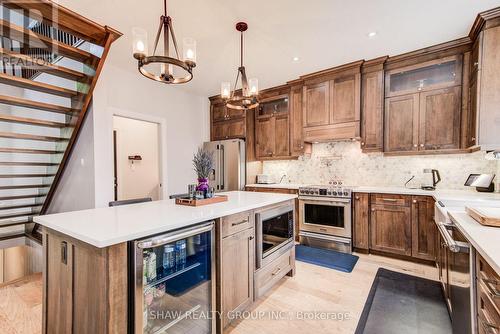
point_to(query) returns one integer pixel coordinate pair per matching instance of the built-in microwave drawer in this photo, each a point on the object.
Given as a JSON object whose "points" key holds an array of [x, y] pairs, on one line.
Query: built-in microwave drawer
{"points": [[390, 199], [490, 280], [488, 321], [236, 223]]}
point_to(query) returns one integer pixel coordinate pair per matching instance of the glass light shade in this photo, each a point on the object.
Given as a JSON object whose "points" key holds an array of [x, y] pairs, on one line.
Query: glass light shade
{"points": [[253, 86], [225, 90], [140, 42], [189, 49]]}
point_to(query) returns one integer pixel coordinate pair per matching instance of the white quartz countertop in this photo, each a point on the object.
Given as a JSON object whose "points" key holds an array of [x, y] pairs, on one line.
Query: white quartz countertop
{"points": [[485, 239], [109, 226], [293, 186]]}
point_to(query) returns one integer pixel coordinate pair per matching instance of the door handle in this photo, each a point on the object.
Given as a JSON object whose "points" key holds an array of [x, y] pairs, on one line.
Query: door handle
{"points": [[240, 223], [389, 200], [222, 169], [276, 272]]}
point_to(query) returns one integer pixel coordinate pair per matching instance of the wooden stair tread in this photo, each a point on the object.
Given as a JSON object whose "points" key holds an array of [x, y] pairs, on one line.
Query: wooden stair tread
{"points": [[27, 163], [45, 67], [28, 151], [21, 206], [31, 121], [8, 198], [20, 214], [37, 86], [26, 136], [66, 20], [19, 176], [19, 102], [25, 186], [17, 222], [20, 34]]}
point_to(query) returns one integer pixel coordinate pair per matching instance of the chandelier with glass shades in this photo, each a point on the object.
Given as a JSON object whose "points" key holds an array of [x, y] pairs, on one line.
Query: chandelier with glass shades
{"points": [[164, 68], [247, 99]]}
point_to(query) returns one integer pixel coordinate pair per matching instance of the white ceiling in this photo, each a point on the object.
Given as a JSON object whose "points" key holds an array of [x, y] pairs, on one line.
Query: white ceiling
{"points": [[322, 33]]}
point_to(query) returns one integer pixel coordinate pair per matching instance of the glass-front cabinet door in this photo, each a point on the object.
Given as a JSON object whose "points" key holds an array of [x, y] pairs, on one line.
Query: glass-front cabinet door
{"points": [[173, 283], [273, 106], [435, 74]]}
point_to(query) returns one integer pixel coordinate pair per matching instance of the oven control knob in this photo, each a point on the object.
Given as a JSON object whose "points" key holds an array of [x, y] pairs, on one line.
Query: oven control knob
{"points": [[329, 193], [334, 193], [346, 193]]}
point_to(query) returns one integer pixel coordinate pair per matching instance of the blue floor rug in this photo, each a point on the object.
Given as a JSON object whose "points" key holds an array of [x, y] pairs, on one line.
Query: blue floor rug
{"points": [[326, 258]]}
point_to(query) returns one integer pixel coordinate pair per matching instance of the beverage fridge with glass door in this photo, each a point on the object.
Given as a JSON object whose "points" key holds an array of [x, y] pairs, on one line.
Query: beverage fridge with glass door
{"points": [[173, 288]]}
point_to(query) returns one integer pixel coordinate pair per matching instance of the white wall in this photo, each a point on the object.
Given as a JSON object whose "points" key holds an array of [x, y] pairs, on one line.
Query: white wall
{"points": [[121, 92], [137, 178]]}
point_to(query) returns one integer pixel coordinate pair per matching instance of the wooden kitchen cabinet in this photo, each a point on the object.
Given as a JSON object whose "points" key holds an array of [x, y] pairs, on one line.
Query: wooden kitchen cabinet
{"points": [[361, 221], [440, 119], [424, 230], [401, 123], [272, 128], [297, 145], [237, 264], [372, 105], [331, 103], [423, 108], [390, 229], [230, 129]]}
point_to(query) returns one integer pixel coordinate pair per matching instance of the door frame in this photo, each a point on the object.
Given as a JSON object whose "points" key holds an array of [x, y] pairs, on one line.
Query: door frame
{"points": [[162, 147]]}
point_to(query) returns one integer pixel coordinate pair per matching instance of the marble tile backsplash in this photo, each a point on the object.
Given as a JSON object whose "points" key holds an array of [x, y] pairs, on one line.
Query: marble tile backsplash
{"points": [[345, 161]]}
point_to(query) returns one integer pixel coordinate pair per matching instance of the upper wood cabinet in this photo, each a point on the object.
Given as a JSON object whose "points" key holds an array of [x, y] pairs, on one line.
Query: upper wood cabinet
{"points": [[272, 139], [226, 123], [372, 105], [297, 144], [423, 107], [331, 106]]}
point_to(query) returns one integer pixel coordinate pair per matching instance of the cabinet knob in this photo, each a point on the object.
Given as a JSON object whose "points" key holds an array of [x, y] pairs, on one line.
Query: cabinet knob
{"points": [[373, 210], [414, 201], [357, 198], [415, 145], [473, 139], [362, 143], [476, 64], [422, 145]]}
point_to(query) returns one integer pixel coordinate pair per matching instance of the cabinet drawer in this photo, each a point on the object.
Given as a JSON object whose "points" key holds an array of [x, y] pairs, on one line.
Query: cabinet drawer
{"points": [[390, 199], [267, 276], [236, 223], [489, 279], [488, 315]]}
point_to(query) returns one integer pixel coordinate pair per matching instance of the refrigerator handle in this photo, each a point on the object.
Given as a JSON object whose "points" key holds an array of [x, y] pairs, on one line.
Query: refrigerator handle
{"points": [[222, 169]]}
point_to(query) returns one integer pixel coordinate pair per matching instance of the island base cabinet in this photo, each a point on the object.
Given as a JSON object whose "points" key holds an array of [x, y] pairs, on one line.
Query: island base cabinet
{"points": [[84, 287], [237, 276], [268, 276]]}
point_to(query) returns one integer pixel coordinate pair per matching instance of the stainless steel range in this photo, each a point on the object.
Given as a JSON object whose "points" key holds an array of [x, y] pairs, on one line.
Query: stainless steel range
{"points": [[325, 217]]}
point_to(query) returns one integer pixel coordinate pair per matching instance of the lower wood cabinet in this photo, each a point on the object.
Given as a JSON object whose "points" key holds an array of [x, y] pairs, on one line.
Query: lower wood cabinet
{"points": [[361, 217], [236, 270], [390, 229], [488, 297], [395, 224], [424, 230]]}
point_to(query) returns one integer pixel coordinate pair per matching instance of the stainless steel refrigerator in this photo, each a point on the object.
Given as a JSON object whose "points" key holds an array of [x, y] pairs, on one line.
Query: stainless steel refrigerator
{"points": [[229, 172]]}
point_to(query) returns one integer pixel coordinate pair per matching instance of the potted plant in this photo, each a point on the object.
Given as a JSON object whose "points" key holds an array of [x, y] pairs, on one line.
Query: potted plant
{"points": [[203, 163]]}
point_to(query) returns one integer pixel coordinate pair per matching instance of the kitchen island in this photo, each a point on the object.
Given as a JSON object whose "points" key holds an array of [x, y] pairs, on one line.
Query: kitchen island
{"points": [[119, 270]]}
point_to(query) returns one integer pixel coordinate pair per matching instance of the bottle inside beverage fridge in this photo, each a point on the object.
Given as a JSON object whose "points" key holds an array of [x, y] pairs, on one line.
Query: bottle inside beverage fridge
{"points": [[168, 258], [180, 250]]}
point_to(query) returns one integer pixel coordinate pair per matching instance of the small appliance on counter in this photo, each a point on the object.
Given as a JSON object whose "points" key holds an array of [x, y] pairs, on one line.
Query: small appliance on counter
{"points": [[436, 178], [482, 182], [264, 179]]}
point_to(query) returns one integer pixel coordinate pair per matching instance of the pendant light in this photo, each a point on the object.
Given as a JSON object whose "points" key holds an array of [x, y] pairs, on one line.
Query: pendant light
{"points": [[165, 71], [249, 87]]}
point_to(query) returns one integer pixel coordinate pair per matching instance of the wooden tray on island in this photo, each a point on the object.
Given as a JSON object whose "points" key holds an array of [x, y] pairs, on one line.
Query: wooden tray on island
{"points": [[485, 216], [200, 202]]}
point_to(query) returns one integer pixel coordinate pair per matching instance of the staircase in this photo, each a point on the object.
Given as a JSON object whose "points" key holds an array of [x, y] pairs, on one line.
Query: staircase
{"points": [[50, 61]]}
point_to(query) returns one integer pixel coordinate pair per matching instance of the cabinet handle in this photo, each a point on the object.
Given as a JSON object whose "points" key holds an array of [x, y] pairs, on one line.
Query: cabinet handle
{"points": [[240, 223], [389, 200], [276, 271], [64, 252]]}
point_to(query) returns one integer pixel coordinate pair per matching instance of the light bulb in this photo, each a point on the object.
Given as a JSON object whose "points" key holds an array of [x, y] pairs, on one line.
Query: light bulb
{"points": [[140, 46], [225, 90], [189, 54]]}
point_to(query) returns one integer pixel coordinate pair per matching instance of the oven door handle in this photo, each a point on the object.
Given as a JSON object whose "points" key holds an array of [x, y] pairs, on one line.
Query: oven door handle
{"points": [[319, 200]]}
